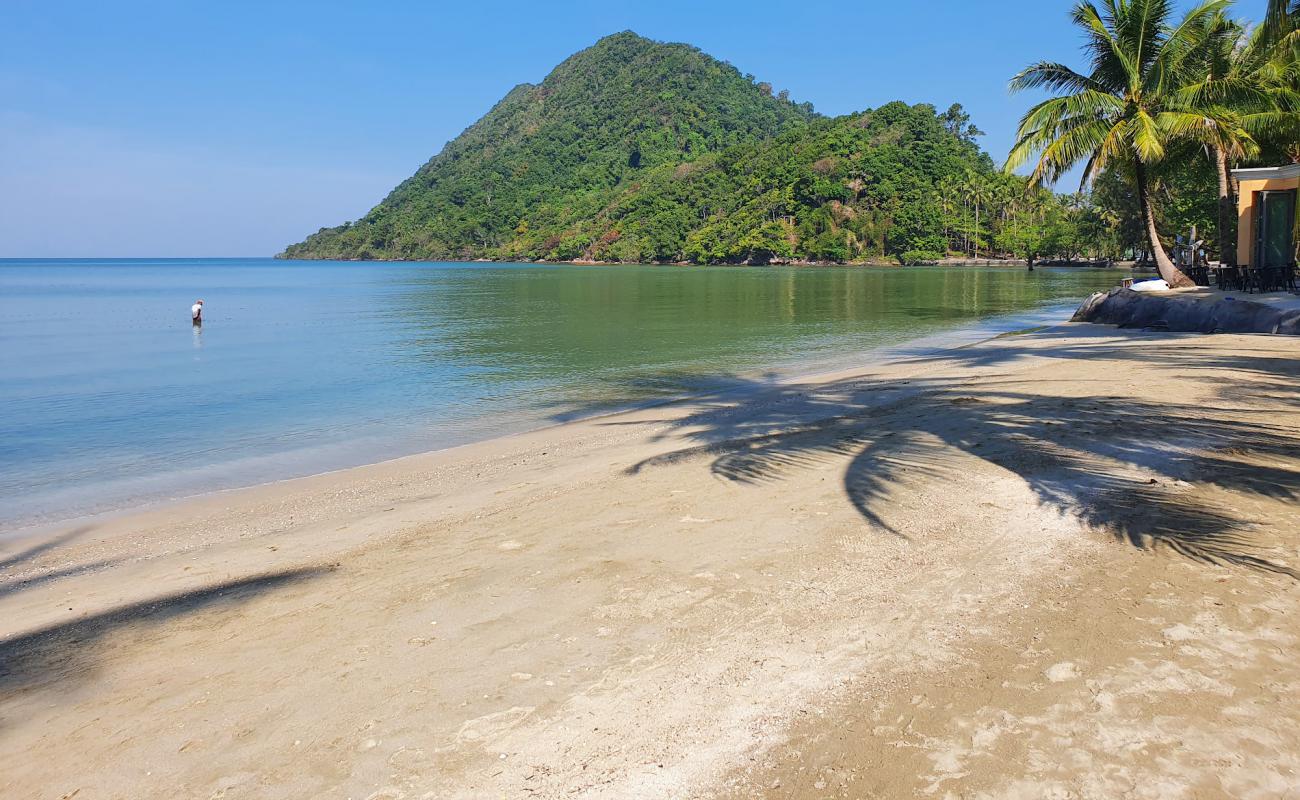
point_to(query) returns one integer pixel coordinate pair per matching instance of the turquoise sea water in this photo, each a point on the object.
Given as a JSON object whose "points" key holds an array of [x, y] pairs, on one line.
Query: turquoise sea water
{"points": [[111, 398]]}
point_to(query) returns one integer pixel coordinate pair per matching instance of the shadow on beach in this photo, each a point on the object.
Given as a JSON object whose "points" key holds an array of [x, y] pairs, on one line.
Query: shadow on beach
{"points": [[71, 651], [1144, 471], [42, 546], [23, 558]]}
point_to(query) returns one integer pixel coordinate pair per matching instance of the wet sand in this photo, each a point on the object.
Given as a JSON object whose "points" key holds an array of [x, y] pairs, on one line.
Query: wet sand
{"points": [[1062, 564]]}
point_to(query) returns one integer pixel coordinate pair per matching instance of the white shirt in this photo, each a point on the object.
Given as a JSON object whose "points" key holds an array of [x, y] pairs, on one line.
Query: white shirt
{"points": [[195, 309]]}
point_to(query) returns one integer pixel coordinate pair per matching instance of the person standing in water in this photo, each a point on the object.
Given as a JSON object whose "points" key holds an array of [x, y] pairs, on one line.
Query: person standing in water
{"points": [[196, 312]]}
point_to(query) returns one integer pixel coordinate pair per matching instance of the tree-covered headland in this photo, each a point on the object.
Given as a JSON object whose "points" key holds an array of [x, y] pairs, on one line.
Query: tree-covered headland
{"points": [[639, 151]]}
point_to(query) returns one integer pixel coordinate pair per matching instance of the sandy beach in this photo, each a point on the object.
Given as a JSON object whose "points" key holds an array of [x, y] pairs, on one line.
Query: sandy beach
{"points": [[1059, 564]]}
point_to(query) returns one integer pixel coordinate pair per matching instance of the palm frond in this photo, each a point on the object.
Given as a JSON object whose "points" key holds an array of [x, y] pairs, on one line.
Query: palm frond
{"points": [[1079, 142], [1236, 92], [1175, 47], [1146, 137], [1140, 29], [1217, 128], [1111, 65], [1054, 77]]}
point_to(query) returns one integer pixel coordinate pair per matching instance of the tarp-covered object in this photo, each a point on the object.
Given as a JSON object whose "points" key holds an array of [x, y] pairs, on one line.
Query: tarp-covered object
{"points": [[1173, 312]]}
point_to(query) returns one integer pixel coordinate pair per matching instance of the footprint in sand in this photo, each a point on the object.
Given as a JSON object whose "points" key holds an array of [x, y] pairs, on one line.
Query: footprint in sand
{"points": [[1064, 671], [1179, 633], [490, 725]]}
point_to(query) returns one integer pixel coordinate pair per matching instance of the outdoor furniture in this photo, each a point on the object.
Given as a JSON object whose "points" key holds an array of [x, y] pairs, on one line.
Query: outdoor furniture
{"points": [[1230, 278], [1269, 279], [1200, 274], [1280, 279], [1254, 279]]}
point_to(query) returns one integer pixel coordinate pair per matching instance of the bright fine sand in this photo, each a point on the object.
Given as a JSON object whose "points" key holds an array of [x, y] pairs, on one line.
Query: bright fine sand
{"points": [[1061, 564]]}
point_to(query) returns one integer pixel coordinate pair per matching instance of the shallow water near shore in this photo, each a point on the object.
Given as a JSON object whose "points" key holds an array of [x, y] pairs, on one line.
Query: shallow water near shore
{"points": [[113, 399]]}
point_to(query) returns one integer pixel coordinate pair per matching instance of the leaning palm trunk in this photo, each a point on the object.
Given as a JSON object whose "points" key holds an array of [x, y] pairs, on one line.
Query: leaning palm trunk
{"points": [[1168, 270], [1227, 210], [1139, 97]]}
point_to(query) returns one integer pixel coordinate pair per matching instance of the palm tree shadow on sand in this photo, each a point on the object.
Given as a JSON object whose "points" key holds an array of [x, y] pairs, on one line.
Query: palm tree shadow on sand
{"points": [[66, 653], [1143, 471]]}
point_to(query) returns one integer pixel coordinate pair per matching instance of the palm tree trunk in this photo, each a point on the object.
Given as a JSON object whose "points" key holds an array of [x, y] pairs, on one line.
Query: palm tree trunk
{"points": [[1172, 274], [965, 221], [1227, 209]]}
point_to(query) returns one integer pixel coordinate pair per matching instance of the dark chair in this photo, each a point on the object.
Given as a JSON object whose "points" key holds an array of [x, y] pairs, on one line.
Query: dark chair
{"points": [[1268, 279], [1253, 278], [1230, 278]]}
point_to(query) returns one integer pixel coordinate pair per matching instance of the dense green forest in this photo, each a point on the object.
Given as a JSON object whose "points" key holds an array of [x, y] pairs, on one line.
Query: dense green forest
{"points": [[639, 151], [635, 151]]}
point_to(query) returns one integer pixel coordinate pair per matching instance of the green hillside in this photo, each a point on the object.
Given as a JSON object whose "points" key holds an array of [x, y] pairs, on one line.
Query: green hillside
{"points": [[634, 150], [843, 189]]}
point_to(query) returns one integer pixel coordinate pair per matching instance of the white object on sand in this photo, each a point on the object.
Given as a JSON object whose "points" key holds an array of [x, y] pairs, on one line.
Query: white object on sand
{"points": [[1152, 285]]}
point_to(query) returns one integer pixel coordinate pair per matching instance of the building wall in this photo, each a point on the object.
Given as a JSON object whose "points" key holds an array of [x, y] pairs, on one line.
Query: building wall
{"points": [[1246, 213]]}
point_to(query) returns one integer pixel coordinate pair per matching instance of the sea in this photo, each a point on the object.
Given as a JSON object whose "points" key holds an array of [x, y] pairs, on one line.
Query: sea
{"points": [[110, 398]]}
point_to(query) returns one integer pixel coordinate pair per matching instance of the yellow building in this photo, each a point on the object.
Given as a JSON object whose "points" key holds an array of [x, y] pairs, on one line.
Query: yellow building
{"points": [[1266, 215]]}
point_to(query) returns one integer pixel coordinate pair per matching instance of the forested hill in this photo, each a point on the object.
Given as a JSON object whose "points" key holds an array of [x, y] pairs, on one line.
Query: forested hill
{"points": [[634, 150]]}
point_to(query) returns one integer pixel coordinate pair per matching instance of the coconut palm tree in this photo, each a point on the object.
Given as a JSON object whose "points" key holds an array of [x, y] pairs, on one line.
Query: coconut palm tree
{"points": [[1252, 76], [1276, 46], [1005, 191], [1281, 19], [1224, 73], [949, 190], [1127, 109], [978, 192]]}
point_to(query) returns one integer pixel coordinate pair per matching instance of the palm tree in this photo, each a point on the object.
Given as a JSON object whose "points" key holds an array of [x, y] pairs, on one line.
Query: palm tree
{"points": [[1281, 20], [949, 189], [978, 192], [1225, 73], [1127, 109], [1006, 189], [1247, 75], [1277, 48], [1016, 189]]}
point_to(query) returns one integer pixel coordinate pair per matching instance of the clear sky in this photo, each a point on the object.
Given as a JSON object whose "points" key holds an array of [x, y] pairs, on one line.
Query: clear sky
{"points": [[235, 128]]}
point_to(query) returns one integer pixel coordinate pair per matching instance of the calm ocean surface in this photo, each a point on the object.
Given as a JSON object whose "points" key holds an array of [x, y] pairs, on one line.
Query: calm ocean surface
{"points": [[111, 398]]}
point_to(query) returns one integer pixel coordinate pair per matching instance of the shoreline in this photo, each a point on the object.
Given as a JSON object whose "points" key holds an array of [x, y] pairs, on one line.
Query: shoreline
{"points": [[964, 572], [982, 330], [885, 263]]}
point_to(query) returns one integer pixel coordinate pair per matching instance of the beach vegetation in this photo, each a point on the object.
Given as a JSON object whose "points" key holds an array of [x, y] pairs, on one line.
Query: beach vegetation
{"points": [[1167, 106]]}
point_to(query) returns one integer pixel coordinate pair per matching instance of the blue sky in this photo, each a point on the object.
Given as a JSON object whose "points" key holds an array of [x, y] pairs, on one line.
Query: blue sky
{"points": [[235, 128]]}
